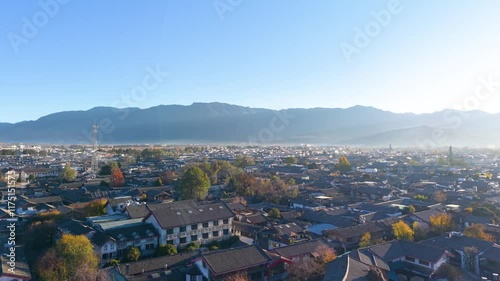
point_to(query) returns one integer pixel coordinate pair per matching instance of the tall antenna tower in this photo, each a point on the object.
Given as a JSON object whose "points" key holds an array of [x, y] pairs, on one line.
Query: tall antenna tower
{"points": [[95, 161], [450, 156]]}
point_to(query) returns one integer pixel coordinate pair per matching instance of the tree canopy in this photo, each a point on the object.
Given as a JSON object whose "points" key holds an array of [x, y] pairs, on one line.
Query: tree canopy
{"points": [[366, 240], [133, 254], [72, 258], [194, 184], [116, 178], [402, 231], [441, 223], [274, 213], [166, 249], [290, 160], [477, 231], [244, 161], [344, 165], [68, 174]]}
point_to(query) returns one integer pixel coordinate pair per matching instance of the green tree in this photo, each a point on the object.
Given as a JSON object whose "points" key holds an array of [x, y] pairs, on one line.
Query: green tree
{"points": [[244, 161], [344, 165], [192, 246], [68, 174], [366, 240], [194, 184], [409, 209], [166, 249], [112, 262], [133, 254], [158, 182], [291, 181], [441, 161], [31, 177], [420, 197], [290, 160], [402, 231], [274, 213], [105, 170]]}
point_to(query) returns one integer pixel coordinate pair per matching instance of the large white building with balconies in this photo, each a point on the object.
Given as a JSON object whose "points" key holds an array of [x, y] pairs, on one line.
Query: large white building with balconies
{"points": [[183, 222]]}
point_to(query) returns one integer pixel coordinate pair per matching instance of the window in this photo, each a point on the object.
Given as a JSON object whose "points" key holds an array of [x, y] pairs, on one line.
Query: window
{"points": [[105, 256], [225, 221], [216, 222], [150, 247], [112, 246], [215, 234], [205, 224], [225, 231], [194, 238], [121, 252], [171, 242], [170, 231], [182, 229], [183, 240], [422, 262], [410, 259], [205, 235], [194, 226], [105, 247]]}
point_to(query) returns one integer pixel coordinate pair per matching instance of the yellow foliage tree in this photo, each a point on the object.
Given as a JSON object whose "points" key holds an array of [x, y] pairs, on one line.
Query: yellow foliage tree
{"points": [[366, 240], [441, 223], [477, 231], [72, 258], [402, 231]]}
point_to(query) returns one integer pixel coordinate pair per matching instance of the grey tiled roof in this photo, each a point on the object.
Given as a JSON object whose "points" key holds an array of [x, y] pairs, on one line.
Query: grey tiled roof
{"points": [[156, 264], [299, 249], [184, 213], [398, 248], [230, 260]]}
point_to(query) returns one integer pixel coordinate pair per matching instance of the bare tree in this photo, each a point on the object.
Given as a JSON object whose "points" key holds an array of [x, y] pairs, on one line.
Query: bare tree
{"points": [[470, 254], [303, 268]]}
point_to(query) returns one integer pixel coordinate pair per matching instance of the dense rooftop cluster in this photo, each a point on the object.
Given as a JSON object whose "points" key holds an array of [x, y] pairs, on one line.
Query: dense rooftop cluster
{"points": [[254, 213]]}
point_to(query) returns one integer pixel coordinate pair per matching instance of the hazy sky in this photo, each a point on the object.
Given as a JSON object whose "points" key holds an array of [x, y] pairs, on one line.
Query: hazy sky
{"points": [[275, 54]]}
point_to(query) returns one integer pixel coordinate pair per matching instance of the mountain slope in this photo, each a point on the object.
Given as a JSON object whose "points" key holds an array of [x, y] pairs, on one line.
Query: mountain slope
{"points": [[224, 123]]}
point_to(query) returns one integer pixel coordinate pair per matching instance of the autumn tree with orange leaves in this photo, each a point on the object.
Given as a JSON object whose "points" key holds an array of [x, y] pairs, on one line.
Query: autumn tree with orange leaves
{"points": [[116, 178]]}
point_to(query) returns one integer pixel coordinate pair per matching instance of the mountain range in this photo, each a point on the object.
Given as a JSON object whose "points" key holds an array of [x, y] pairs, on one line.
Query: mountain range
{"points": [[219, 123]]}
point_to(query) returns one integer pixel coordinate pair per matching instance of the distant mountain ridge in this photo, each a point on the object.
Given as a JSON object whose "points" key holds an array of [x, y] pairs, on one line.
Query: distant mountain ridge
{"points": [[210, 123]]}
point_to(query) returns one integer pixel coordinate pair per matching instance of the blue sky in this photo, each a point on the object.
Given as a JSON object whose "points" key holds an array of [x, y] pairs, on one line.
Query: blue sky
{"points": [[260, 53]]}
